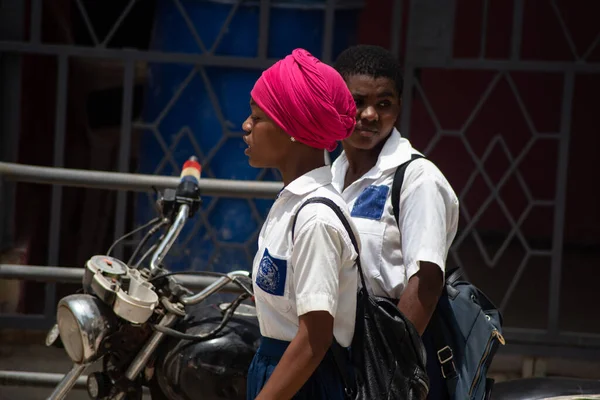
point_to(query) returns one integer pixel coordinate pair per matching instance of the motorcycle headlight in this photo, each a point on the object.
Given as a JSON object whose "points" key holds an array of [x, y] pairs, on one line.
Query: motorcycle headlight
{"points": [[84, 322]]}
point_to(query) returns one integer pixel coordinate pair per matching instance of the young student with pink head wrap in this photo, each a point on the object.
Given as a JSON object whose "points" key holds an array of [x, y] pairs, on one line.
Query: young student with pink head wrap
{"points": [[304, 275]]}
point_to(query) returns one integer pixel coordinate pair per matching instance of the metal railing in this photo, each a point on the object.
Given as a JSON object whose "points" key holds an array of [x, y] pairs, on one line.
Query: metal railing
{"points": [[133, 182], [579, 343], [75, 275], [113, 181], [40, 379]]}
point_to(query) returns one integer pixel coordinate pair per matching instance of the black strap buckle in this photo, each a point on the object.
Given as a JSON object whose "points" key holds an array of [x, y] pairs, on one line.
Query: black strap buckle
{"points": [[446, 359]]}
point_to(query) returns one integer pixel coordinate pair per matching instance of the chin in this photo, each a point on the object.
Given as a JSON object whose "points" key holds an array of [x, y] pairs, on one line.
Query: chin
{"points": [[360, 142], [257, 163], [254, 164]]}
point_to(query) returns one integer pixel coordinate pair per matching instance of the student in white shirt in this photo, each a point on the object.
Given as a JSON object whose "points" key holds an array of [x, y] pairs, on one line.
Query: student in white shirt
{"points": [[405, 264], [305, 281]]}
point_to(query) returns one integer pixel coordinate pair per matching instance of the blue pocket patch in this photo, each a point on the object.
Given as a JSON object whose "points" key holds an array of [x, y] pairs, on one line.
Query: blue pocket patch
{"points": [[271, 274], [371, 202]]}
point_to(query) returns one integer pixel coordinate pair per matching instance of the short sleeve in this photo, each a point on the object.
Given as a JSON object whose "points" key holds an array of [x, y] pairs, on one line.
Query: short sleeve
{"points": [[428, 219], [317, 259]]}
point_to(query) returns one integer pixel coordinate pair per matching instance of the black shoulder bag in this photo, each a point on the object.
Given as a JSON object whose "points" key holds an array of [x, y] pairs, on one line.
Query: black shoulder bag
{"points": [[387, 354]]}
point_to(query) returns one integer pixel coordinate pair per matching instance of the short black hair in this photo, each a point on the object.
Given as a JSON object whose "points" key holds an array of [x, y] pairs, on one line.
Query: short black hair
{"points": [[371, 60]]}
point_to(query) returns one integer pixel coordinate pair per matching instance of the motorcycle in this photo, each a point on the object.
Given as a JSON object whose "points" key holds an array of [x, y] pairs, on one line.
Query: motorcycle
{"points": [[149, 330]]}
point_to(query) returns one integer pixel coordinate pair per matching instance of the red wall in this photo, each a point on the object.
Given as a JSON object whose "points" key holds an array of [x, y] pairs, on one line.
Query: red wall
{"points": [[454, 93]]}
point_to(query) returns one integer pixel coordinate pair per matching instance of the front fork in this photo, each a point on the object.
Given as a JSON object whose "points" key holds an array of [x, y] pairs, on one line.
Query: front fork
{"points": [[141, 360], [67, 383], [134, 369]]}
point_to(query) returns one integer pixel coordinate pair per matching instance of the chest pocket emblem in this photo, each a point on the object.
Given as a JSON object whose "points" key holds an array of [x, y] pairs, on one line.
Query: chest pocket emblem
{"points": [[271, 274], [371, 202]]}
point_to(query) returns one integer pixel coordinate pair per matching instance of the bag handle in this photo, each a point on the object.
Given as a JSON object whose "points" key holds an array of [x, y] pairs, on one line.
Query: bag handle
{"points": [[331, 204]]}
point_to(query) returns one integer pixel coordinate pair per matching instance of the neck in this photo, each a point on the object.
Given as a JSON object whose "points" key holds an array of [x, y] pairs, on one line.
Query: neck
{"points": [[303, 160], [360, 161]]}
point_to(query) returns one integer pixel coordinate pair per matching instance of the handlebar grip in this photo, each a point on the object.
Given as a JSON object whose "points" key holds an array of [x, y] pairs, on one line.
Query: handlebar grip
{"points": [[207, 291], [191, 171]]}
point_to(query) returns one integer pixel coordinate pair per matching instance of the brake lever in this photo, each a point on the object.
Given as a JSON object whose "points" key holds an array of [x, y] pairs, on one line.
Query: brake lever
{"points": [[246, 288], [212, 288]]}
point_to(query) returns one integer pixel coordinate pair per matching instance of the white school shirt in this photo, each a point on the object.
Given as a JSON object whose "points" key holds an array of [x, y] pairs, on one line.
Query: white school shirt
{"points": [[428, 216], [315, 272]]}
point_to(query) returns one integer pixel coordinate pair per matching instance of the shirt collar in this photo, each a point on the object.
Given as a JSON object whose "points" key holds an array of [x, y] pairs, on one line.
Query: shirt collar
{"points": [[310, 181], [396, 150]]}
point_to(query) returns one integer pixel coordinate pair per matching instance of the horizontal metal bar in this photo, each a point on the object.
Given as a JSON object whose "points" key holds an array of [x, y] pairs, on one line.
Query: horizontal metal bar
{"points": [[41, 273], [35, 322], [509, 65], [260, 63], [135, 182], [36, 379], [573, 339], [136, 55], [539, 343], [75, 275], [299, 5], [40, 379], [540, 349]]}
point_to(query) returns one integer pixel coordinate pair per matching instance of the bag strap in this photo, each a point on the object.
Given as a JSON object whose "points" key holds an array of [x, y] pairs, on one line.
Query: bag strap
{"points": [[444, 353], [397, 184], [331, 204], [340, 355]]}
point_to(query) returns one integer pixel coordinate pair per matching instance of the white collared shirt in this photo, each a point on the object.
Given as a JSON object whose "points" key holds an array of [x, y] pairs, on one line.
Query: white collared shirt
{"points": [[428, 216], [315, 272]]}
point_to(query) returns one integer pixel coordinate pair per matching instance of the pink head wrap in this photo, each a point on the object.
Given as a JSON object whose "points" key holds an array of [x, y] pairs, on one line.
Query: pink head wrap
{"points": [[308, 99]]}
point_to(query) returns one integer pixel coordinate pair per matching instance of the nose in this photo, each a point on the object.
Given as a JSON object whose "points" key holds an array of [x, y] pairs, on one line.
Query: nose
{"points": [[247, 125], [369, 114]]}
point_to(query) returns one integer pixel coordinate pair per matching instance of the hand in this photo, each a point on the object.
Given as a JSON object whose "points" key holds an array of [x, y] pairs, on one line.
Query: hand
{"points": [[421, 295]]}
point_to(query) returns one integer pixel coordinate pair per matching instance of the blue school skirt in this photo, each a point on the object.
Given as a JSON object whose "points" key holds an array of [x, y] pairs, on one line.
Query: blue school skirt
{"points": [[324, 384]]}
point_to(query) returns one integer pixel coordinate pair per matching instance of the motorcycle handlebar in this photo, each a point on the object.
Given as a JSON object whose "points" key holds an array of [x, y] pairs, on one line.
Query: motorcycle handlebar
{"points": [[172, 234], [213, 288], [187, 190], [190, 175]]}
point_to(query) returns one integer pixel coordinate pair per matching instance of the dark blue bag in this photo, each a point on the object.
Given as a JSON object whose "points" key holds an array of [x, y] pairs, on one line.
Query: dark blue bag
{"points": [[466, 327]]}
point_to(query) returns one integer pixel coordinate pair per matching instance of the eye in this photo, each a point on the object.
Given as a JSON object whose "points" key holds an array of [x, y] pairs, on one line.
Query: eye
{"points": [[254, 118], [385, 104], [359, 102]]}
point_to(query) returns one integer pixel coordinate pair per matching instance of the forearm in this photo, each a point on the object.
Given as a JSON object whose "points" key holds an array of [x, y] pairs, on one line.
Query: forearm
{"points": [[420, 297], [298, 363]]}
